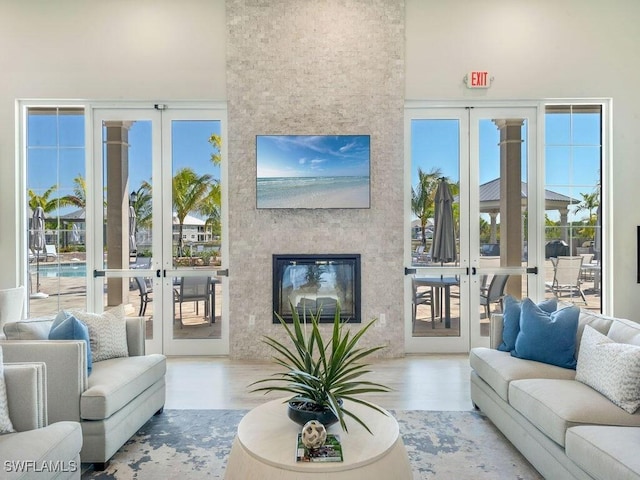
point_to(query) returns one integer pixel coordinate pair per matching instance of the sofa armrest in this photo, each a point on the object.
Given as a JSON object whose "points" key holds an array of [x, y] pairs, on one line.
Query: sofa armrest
{"points": [[26, 395], [66, 367], [495, 332], [135, 336]]}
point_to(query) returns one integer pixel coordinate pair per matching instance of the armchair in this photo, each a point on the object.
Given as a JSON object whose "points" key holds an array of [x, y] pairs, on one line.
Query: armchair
{"points": [[112, 403], [53, 451]]}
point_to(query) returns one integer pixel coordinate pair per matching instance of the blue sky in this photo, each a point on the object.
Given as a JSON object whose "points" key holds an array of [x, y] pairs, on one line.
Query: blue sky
{"points": [[572, 152], [312, 155], [56, 151]]}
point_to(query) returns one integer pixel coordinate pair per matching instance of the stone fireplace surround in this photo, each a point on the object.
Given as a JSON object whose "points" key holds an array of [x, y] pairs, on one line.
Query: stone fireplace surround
{"points": [[315, 68]]}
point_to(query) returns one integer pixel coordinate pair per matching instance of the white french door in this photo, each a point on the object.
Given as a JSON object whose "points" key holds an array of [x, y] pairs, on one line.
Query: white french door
{"points": [[487, 157], [160, 231]]}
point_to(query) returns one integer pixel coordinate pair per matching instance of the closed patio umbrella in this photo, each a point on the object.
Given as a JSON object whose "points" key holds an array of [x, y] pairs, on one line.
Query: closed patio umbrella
{"points": [[37, 243], [443, 248], [133, 246]]}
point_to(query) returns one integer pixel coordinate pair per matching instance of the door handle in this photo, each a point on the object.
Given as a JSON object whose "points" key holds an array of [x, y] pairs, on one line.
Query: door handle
{"points": [[222, 273]]}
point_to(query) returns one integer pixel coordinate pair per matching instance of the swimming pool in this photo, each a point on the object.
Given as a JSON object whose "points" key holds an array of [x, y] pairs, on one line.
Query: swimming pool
{"points": [[61, 270]]}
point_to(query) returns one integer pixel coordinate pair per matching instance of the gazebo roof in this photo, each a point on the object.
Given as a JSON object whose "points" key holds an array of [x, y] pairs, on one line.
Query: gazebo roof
{"points": [[490, 197]]}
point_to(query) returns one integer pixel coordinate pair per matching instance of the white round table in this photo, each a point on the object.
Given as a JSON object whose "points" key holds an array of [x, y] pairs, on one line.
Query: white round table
{"points": [[265, 448]]}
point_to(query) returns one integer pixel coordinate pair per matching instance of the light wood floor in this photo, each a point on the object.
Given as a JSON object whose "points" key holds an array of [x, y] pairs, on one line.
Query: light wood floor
{"points": [[425, 382]]}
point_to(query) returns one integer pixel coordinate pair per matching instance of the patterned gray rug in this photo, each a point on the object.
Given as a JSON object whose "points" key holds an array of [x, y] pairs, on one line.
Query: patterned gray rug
{"points": [[194, 444]]}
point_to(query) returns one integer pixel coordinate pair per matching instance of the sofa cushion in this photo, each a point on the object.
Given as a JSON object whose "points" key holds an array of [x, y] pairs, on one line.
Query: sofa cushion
{"points": [[553, 406], [67, 327], [611, 368], [107, 333], [605, 452], [31, 329], [498, 369], [115, 382], [599, 322], [625, 331], [5, 422], [547, 337], [58, 442], [511, 320]]}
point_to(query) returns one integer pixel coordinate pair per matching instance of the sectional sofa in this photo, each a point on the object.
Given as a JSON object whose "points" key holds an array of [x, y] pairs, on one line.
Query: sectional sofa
{"points": [[564, 427], [111, 402]]}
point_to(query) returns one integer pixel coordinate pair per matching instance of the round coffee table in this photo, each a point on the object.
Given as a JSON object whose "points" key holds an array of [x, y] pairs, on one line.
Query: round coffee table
{"points": [[265, 448]]}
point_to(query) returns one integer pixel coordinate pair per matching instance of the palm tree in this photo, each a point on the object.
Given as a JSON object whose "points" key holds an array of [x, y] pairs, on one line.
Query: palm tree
{"points": [[189, 190], [422, 197], [216, 143], [79, 196], [590, 202], [142, 205], [211, 207]]}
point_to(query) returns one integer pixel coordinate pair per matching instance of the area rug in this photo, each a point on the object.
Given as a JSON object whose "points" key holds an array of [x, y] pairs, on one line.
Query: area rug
{"points": [[194, 444]]}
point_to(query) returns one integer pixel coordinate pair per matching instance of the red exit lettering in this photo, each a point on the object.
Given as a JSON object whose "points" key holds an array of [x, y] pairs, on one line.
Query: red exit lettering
{"points": [[478, 79]]}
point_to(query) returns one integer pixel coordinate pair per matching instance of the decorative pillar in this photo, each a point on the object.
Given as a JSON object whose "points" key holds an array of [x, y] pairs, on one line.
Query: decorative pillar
{"points": [[494, 227], [564, 223], [511, 198], [117, 182]]}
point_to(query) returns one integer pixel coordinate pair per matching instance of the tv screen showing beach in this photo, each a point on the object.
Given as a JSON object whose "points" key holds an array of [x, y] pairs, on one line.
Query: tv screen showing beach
{"points": [[313, 171]]}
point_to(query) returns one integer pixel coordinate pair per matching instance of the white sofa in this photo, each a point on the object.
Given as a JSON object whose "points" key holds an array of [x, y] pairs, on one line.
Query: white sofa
{"points": [[112, 403], [566, 429], [36, 450]]}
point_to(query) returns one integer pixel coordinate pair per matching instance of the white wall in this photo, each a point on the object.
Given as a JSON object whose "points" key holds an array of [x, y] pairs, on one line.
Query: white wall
{"points": [[91, 49], [165, 49], [543, 49]]}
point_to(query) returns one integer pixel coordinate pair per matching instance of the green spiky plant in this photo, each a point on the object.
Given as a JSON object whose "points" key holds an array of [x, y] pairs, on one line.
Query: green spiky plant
{"points": [[323, 373]]}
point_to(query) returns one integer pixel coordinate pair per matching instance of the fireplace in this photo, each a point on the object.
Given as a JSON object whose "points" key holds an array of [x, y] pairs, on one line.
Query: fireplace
{"points": [[317, 283]]}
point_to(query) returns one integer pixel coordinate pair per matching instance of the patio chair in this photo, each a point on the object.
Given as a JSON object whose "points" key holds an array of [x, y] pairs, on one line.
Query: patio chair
{"points": [[566, 276], [420, 256], [193, 289], [494, 293], [422, 297], [145, 292], [50, 252]]}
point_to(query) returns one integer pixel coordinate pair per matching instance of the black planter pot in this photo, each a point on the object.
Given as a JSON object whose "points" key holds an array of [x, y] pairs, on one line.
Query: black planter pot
{"points": [[301, 415]]}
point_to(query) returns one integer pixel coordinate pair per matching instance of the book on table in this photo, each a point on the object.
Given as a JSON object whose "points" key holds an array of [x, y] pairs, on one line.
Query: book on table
{"points": [[331, 451]]}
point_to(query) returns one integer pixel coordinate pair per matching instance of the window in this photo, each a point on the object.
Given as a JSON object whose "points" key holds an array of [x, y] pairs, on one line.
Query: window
{"points": [[573, 172], [55, 169]]}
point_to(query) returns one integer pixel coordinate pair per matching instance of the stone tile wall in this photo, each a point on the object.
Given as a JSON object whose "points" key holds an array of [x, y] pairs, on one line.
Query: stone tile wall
{"points": [[315, 67]]}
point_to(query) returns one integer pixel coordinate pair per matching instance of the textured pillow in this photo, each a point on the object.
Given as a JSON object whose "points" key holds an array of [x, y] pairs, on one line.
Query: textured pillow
{"points": [[107, 333], [547, 337], [511, 320], [611, 368], [68, 327], [5, 422]]}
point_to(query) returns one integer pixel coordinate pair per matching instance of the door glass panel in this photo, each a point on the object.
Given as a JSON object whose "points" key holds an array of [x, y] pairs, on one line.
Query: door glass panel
{"points": [[435, 155], [196, 232], [127, 207], [573, 241], [503, 203]]}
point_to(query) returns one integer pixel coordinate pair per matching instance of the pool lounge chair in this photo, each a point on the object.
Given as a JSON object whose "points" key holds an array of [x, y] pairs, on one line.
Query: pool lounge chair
{"points": [[50, 252]]}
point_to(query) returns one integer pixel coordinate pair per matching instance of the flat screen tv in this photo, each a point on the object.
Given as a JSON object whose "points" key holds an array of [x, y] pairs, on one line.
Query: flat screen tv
{"points": [[313, 171]]}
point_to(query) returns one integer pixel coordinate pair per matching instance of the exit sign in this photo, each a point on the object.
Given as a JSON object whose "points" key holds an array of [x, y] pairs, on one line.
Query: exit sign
{"points": [[478, 79]]}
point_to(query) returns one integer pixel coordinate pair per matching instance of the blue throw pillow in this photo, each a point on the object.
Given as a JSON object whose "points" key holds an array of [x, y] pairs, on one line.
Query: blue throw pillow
{"points": [[511, 320], [547, 337], [67, 327]]}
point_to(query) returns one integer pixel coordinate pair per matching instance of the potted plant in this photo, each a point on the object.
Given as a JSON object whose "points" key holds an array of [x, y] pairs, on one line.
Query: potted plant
{"points": [[321, 373]]}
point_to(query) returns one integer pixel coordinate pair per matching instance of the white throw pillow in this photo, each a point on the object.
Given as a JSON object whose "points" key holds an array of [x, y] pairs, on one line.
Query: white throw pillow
{"points": [[611, 368], [5, 422], [107, 333]]}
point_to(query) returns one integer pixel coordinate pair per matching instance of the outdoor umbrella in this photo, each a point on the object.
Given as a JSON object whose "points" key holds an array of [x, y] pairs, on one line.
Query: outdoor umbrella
{"points": [[75, 233], [133, 247], [443, 248], [38, 243]]}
